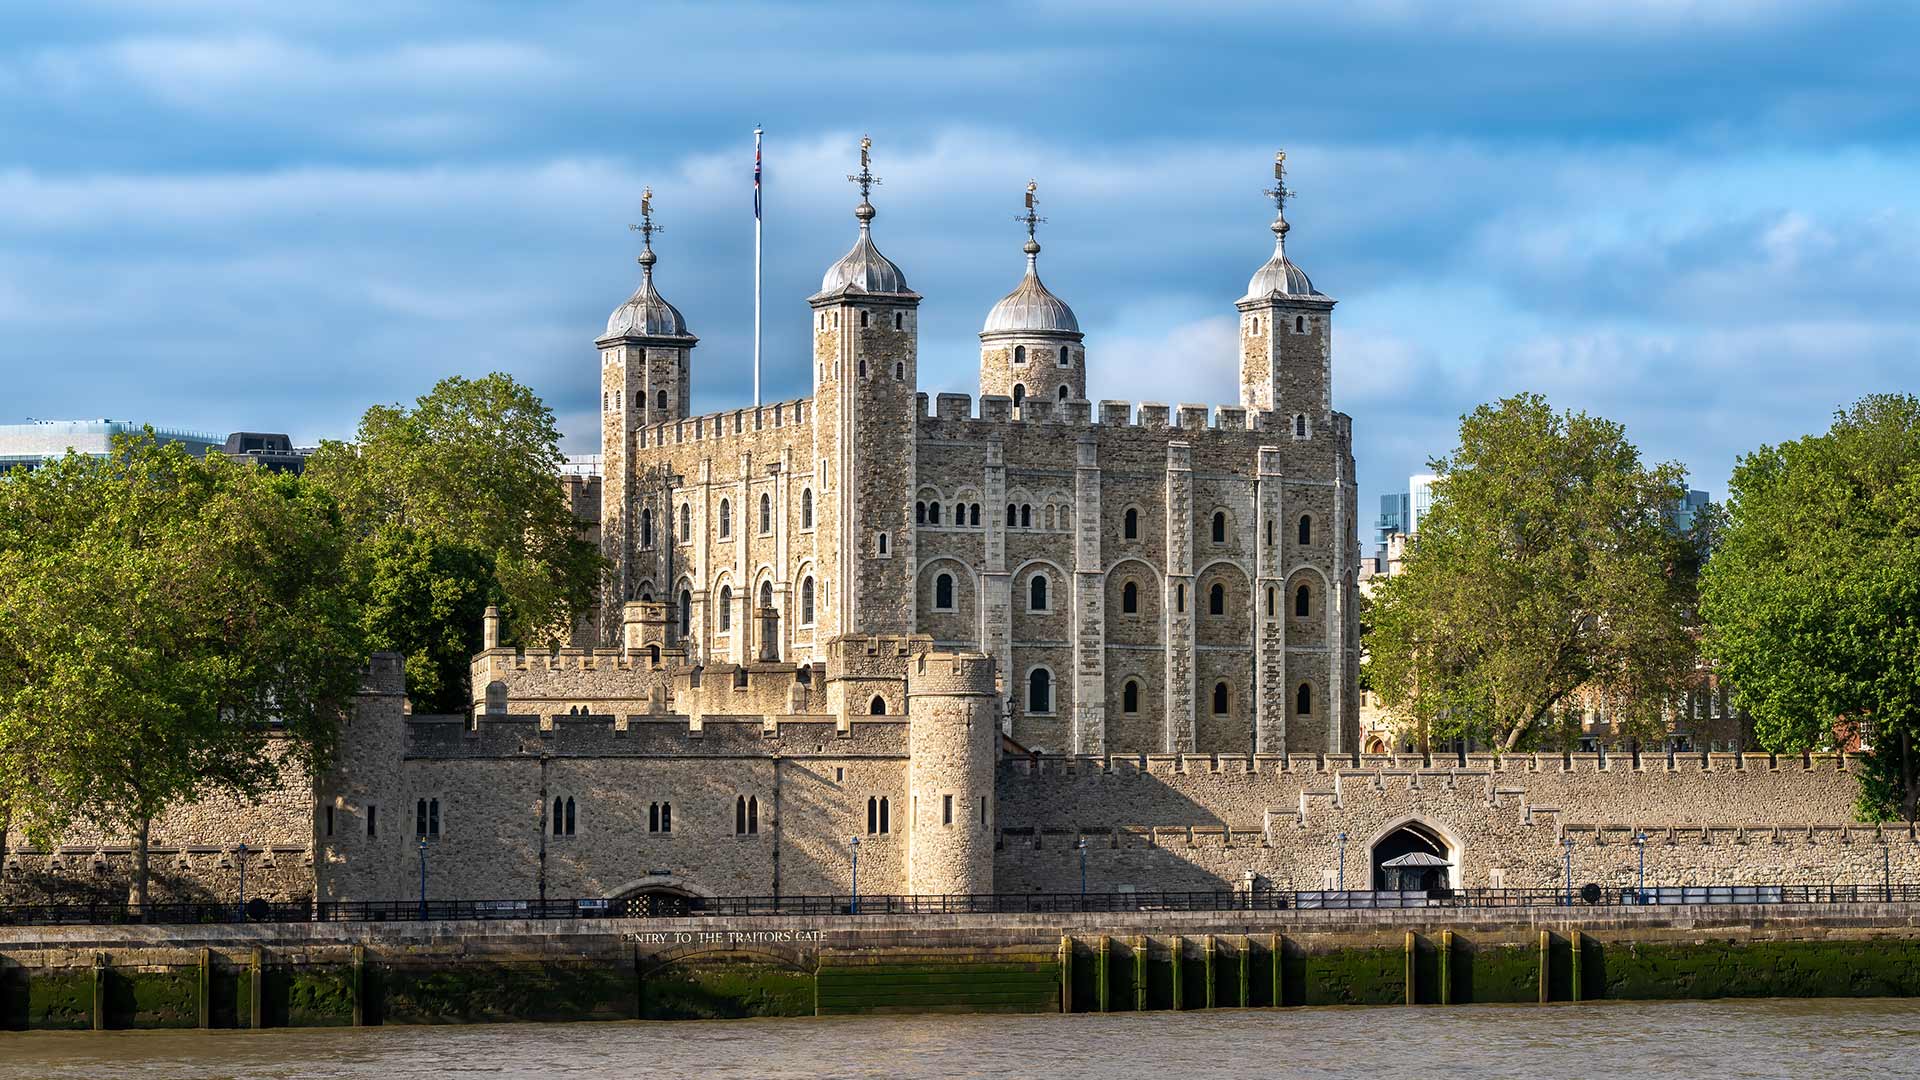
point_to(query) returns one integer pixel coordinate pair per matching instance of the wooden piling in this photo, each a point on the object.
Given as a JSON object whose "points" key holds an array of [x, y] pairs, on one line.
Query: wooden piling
{"points": [[1101, 969], [1140, 973], [1413, 991], [203, 995], [1277, 947], [1246, 971], [1066, 973], [1446, 967], [1207, 964], [1576, 940], [1179, 981], [256, 994], [359, 986], [99, 991], [1546, 945]]}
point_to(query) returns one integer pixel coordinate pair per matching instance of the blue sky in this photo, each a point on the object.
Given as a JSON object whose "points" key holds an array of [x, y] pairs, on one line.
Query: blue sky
{"points": [[1700, 219]]}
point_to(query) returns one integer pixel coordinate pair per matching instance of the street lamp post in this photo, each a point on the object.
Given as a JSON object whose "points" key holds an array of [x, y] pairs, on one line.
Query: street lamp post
{"points": [[854, 844], [1567, 843], [1341, 837], [423, 879], [1081, 844], [1640, 841], [243, 878]]}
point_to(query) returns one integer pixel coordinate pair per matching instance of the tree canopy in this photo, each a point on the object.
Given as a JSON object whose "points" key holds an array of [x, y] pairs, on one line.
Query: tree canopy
{"points": [[1813, 597], [1544, 567], [164, 621], [454, 504]]}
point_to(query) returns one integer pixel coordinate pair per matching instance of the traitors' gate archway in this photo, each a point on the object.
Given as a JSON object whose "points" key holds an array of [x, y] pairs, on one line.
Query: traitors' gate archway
{"points": [[1413, 855]]}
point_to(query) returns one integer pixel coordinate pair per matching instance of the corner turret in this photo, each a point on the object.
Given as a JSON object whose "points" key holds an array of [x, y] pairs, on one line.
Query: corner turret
{"points": [[1286, 334], [1030, 345]]}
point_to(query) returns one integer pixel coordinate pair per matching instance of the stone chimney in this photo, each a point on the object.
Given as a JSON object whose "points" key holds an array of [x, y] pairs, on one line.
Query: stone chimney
{"points": [[490, 628], [769, 620]]}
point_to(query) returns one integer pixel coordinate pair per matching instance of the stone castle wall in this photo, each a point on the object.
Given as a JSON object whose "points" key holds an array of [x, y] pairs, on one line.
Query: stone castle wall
{"points": [[1167, 823]]}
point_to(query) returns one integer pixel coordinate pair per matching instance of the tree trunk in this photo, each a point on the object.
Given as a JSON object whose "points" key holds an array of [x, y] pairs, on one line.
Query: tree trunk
{"points": [[1909, 791], [140, 865]]}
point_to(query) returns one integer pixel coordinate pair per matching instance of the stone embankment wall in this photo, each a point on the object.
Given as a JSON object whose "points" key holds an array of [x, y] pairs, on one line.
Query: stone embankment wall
{"points": [[409, 972]]}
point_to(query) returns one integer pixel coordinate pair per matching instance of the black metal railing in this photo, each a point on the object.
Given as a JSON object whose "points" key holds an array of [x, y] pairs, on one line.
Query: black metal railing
{"points": [[659, 905]]}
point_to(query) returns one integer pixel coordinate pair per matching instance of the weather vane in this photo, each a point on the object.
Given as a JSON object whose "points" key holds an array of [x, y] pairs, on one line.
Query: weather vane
{"points": [[646, 228], [864, 177], [1031, 217], [1279, 191]]}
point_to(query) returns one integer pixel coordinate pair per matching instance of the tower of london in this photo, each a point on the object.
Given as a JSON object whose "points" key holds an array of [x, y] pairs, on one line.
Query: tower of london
{"points": [[1145, 578]]}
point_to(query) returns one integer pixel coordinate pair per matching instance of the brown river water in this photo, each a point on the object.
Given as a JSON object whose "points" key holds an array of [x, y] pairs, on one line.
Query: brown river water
{"points": [[1723, 1040]]}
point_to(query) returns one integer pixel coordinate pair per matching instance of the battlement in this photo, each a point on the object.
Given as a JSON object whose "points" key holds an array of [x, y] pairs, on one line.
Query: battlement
{"points": [[525, 735], [951, 674], [1363, 767], [727, 423], [998, 409]]}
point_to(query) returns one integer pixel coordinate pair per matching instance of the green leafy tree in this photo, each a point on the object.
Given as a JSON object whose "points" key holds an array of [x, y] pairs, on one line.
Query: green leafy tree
{"points": [[1544, 567], [1812, 599], [455, 504], [170, 628]]}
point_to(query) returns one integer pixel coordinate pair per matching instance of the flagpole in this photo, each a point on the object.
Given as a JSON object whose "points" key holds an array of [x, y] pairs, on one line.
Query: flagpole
{"points": [[756, 266]]}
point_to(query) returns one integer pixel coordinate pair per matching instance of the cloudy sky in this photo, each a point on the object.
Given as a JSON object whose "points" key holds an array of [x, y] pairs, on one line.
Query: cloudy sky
{"points": [[1699, 218]]}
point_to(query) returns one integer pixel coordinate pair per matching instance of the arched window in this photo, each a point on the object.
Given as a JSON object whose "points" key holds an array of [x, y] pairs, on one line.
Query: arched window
{"points": [[899, 371], [1269, 532], [686, 612], [943, 593], [1130, 524], [1037, 593], [1039, 691], [1026, 515], [660, 817], [877, 707], [1256, 324], [1273, 601], [1063, 392], [564, 820], [496, 698], [766, 513], [1130, 697], [653, 655], [973, 515], [1299, 425], [806, 508], [1303, 700], [1019, 395], [899, 321], [1180, 599], [886, 825], [766, 594], [1066, 360], [933, 513], [726, 519], [1217, 599], [863, 367], [864, 320], [1019, 357], [1306, 528], [753, 814], [725, 611], [653, 817], [873, 815], [960, 514], [1130, 598], [1013, 515], [660, 400], [1299, 324], [1303, 600], [740, 815], [881, 543], [1220, 699], [1219, 526], [686, 523], [920, 513], [646, 528]]}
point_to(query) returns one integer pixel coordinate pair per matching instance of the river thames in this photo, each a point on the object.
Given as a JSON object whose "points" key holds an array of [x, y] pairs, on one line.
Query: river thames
{"points": [[1648, 1041]]}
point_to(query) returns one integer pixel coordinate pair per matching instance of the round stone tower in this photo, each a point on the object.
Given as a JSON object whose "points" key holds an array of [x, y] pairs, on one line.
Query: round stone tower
{"points": [[1030, 345], [953, 740]]}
